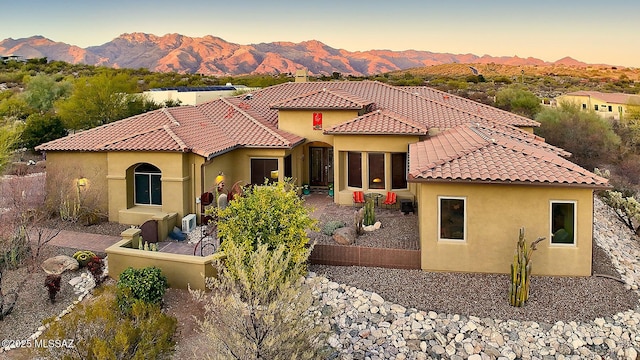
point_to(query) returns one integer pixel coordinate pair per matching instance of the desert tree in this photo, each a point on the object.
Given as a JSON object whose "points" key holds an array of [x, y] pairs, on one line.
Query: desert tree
{"points": [[260, 305], [517, 99], [97, 100], [260, 308], [585, 134], [42, 91]]}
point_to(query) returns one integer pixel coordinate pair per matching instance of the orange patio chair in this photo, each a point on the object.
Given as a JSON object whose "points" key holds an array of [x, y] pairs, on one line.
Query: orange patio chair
{"points": [[358, 197], [391, 199]]}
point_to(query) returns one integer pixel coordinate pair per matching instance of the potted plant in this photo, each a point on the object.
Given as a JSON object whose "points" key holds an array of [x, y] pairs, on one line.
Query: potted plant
{"points": [[306, 190], [331, 189]]}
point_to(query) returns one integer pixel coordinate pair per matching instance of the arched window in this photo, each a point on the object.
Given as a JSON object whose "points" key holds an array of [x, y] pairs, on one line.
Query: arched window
{"points": [[147, 186]]}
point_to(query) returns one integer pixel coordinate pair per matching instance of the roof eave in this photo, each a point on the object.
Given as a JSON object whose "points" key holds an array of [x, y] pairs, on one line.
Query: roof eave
{"points": [[414, 179]]}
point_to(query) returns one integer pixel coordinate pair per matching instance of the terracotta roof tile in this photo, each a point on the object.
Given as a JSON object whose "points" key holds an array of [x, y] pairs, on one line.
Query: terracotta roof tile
{"points": [[324, 99], [473, 107], [379, 122], [466, 153]]}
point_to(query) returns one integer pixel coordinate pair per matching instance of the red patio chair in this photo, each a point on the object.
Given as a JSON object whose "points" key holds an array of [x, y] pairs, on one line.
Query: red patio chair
{"points": [[358, 197], [391, 199]]}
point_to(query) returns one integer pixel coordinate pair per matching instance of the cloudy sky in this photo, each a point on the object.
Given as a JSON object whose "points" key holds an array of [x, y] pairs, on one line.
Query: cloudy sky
{"points": [[589, 31]]}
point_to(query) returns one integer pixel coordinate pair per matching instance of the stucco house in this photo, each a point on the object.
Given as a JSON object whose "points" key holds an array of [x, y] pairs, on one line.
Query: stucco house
{"points": [[608, 105], [476, 173]]}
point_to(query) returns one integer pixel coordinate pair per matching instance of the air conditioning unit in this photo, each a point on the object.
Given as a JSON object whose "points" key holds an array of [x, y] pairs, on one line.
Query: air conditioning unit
{"points": [[189, 223]]}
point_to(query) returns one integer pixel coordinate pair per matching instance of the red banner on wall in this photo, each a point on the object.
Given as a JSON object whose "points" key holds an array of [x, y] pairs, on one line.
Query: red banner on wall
{"points": [[317, 121]]}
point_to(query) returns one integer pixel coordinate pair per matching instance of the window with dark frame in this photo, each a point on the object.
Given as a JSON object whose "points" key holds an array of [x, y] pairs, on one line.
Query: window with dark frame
{"points": [[376, 171], [399, 170], [147, 185], [452, 218], [354, 171], [563, 222], [261, 169]]}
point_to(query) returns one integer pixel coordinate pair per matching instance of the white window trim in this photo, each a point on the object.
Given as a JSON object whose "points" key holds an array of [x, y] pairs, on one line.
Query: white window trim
{"points": [[575, 222], [439, 219]]}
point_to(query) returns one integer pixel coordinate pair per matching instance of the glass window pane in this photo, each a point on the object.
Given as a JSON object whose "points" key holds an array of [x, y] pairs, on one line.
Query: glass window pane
{"points": [[355, 169], [563, 223], [376, 171], [398, 171], [156, 190], [452, 219], [142, 189]]}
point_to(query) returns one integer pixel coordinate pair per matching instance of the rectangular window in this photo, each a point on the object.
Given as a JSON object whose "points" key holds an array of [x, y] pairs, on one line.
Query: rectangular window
{"points": [[620, 109], [563, 222], [452, 218], [610, 108], [376, 171], [584, 106], [399, 171], [354, 171], [595, 107], [261, 169]]}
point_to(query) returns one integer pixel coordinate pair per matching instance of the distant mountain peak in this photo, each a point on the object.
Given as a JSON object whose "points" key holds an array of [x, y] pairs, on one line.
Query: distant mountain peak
{"points": [[211, 55]]}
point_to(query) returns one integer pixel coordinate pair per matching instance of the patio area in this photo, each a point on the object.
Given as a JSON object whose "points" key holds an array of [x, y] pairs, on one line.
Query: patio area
{"points": [[395, 244]]}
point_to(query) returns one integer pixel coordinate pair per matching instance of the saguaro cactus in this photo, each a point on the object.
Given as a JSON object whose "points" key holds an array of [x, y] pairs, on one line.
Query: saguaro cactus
{"points": [[521, 271]]}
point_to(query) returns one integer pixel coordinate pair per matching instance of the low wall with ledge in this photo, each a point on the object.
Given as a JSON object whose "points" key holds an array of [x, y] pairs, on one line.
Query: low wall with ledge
{"points": [[182, 271]]}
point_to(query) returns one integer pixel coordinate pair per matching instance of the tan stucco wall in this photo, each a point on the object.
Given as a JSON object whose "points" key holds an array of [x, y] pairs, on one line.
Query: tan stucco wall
{"points": [[365, 144], [63, 168], [590, 101], [182, 271], [176, 179], [495, 213], [300, 122]]}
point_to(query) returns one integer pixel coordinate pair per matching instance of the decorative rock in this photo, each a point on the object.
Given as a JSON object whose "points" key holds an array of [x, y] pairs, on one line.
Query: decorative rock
{"points": [[345, 235], [58, 264], [377, 299]]}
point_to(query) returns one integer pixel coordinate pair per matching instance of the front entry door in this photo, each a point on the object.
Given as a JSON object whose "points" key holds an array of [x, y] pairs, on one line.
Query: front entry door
{"points": [[321, 164]]}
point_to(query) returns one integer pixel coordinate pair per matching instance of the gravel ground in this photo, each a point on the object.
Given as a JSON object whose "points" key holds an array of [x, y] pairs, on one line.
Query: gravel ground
{"points": [[33, 305], [398, 231], [485, 295]]}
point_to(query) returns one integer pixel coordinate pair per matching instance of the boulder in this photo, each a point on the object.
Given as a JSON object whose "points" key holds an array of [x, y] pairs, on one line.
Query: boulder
{"points": [[345, 235], [58, 264]]}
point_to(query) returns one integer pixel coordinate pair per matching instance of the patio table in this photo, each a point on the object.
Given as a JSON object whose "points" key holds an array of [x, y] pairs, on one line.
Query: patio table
{"points": [[375, 197]]}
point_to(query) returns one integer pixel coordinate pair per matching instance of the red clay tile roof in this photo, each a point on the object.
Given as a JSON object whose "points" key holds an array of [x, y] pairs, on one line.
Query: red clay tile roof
{"points": [[473, 107], [324, 99], [379, 122], [251, 120], [612, 98], [206, 130], [466, 153]]}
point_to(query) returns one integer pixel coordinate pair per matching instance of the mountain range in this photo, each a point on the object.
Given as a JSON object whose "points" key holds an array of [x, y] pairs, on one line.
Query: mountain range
{"points": [[210, 55]]}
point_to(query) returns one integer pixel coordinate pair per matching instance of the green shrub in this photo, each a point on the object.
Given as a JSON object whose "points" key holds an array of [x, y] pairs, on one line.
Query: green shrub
{"points": [[147, 285], [331, 226], [244, 316], [100, 331], [271, 214]]}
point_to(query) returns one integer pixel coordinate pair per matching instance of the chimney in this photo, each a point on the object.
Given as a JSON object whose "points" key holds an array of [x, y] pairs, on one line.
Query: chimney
{"points": [[302, 75]]}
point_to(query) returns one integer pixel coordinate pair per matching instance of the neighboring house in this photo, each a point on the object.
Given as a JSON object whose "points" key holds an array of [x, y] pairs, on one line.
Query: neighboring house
{"points": [[477, 173], [11, 57], [608, 105], [193, 95]]}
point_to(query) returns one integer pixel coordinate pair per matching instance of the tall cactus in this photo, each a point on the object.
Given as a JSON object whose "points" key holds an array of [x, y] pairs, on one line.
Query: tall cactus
{"points": [[521, 271], [369, 213]]}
